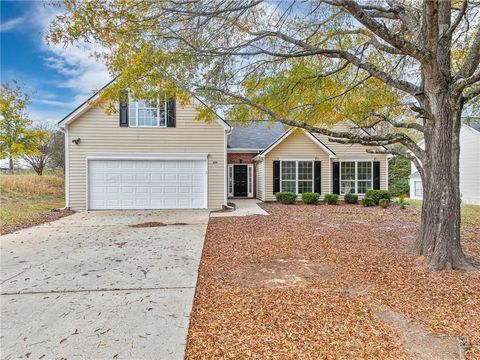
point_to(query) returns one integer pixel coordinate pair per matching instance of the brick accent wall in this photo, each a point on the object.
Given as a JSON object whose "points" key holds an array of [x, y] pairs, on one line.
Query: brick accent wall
{"points": [[245, 158]]}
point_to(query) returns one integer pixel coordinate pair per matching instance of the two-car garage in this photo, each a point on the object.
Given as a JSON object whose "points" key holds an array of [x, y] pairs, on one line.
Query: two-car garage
{"points": [[170, 182]]}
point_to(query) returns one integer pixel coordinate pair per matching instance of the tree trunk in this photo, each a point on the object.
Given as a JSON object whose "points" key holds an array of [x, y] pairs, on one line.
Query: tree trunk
{"points": [[439, 239], [10, 163]]}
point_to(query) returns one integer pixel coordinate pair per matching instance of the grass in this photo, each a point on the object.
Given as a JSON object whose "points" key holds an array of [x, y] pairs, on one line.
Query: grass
{"points": [[470, 213], [23, 195]]}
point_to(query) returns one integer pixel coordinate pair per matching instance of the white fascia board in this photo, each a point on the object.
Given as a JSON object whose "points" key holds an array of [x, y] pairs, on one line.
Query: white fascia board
{"points": [[141, 156], [320, 144], [77, 113], [240, 150]]}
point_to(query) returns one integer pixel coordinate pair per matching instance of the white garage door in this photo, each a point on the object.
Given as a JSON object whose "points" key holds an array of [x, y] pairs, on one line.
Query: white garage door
{"points": [[147, 184]]}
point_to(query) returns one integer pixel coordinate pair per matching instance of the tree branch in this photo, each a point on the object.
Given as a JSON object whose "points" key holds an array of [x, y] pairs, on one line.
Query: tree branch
{"points": [[381, 31], [369, 140]]}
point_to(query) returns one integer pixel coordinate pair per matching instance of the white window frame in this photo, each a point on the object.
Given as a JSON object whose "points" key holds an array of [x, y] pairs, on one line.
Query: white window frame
{"points": [[231, 180], [296, 174], [356, 176], [131, 101]]}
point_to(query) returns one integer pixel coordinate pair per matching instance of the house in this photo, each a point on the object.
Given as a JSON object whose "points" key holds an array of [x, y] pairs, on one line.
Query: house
{"points": [[469, 167], [160, 157]]}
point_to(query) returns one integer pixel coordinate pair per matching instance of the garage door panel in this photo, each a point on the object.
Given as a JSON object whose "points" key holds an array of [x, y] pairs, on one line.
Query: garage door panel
{"points": [[147, 184]]}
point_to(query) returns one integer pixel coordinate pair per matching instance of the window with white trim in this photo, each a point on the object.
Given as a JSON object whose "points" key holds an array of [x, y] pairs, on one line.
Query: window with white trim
{"points": [[143, 113], [296, 176], [356, 177], [418, 188]]}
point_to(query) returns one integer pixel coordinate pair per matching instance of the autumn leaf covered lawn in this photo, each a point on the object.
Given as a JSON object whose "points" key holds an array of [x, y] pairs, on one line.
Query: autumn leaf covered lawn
{"points": [[328, 282]]}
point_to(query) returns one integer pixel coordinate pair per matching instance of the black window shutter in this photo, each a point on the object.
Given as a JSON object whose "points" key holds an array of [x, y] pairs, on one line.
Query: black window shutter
{"points": [[123, 109], [317, 177], [376, 175], [276, 177], [336, 177], [171, 113]]}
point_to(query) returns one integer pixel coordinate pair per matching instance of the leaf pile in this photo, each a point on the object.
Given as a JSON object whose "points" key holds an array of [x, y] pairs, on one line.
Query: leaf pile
{"points": [[299, 284], [32, 219]]}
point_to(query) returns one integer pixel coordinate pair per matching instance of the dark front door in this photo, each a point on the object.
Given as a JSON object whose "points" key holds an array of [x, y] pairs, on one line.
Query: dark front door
{"points": [[240, 187]]}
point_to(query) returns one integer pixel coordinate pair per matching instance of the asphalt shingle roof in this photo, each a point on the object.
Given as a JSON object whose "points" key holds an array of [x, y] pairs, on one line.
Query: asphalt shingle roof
{"points": [[258, 134]]}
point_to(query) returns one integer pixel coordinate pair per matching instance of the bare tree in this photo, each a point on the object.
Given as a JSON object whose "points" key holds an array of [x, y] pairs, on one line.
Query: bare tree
{"points": [[405, 66]]}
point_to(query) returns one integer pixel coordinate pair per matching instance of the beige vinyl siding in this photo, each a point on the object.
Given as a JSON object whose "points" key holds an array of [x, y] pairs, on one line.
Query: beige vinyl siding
{"points": [[296, 145], [101, 133], [355, 152], [260, 179]]}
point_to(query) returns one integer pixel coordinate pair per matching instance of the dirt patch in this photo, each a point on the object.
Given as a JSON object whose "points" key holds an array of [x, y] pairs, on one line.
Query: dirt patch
{"points": [[282, 273], [148, 224], [156, 224], [419, 342], [33, 219]]}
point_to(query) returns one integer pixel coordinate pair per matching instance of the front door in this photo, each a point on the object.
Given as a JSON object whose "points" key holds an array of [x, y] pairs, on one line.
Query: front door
{"points": [[240, 184]]}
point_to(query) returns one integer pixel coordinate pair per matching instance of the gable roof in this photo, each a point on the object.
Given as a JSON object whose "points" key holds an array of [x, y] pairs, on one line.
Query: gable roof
{"points": [[474, 125], [287, 134], [254, 135], [83, 107]]}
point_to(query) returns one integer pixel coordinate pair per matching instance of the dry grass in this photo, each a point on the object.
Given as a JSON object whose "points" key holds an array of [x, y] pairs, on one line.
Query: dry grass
{"points": [[306, 283], [32, 184], [27, 199]]}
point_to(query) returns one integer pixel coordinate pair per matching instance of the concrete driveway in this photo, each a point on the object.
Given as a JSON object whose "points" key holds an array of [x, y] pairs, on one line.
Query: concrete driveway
{"points": [[91, 286]]}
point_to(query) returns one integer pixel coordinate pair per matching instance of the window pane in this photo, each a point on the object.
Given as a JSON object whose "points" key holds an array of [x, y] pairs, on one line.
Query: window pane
{"points": [[348, 170], [147, 117], [288, 170], [162, 116], [304, 186], [132, 114], [347, 187], [364, 169], [418, 188], [305, 170], [288, 186], [364, 186]]}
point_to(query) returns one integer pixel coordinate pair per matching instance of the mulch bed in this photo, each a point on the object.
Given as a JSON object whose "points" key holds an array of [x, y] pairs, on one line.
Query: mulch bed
{"points": [[33, 220], [303, 283]]}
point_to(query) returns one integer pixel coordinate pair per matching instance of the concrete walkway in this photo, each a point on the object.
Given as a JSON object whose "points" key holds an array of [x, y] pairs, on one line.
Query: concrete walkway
{"points": [[90, 286], [244, 207]]}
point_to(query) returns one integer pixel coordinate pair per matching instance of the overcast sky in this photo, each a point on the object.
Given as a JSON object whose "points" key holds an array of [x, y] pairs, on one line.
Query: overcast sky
{"points": [[59, 79]]}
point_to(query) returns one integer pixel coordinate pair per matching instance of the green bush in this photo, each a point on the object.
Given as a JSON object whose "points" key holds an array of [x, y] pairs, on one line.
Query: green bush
{"points": [[351, 198], [401, 201], [330, 199], [376, 195], [310, 198], [384, 203], [286, 197], [366, 201]]}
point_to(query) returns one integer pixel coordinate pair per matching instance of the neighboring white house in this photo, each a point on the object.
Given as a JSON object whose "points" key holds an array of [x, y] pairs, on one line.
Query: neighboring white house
{"points": [[469, 167]]}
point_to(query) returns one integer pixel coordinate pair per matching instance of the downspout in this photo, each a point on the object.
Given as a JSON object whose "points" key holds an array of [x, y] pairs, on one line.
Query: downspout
{"points": [[67, 170]]}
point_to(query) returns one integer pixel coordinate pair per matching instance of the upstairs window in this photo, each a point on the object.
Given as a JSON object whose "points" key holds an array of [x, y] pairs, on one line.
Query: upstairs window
{"points": [[143, 113]]}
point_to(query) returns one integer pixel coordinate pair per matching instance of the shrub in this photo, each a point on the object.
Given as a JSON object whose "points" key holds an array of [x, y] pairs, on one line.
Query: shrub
{"points": [[286, 197], [310, 198], [402, 202], [351, 198], [330, 199], [366, 201], [384, 203], [376, 195]]}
